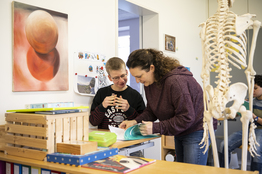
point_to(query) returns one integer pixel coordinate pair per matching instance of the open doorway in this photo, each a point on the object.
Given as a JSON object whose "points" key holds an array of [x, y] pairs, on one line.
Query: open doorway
{"points": [[128, 40], [131, 35]]}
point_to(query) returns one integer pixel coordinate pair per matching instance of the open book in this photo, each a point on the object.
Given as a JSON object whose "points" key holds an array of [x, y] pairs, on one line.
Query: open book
{"points": [[132, 133], [119, 163]]}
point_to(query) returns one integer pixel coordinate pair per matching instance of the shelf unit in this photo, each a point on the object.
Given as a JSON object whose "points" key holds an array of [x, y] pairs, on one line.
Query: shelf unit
{"points": [[167, 144]]}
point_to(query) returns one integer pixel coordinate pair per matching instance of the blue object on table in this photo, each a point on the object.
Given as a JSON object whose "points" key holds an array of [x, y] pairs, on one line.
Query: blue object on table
{"points": [[103, 152]]}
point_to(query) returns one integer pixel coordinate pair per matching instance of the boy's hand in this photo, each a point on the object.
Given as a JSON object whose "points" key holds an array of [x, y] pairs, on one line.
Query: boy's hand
{"points": [[109, 101], [122, 103]]}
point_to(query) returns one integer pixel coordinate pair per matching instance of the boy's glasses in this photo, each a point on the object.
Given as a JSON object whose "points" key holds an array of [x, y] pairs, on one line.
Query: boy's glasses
{"points": [[116, 79]]}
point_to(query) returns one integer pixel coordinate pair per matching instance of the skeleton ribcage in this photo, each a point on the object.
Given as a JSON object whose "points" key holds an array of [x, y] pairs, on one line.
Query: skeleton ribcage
{"points": [[222, 45]]}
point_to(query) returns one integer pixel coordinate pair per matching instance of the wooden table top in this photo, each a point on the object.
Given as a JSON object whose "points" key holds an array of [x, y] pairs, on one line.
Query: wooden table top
{"points": [[158, 167]]}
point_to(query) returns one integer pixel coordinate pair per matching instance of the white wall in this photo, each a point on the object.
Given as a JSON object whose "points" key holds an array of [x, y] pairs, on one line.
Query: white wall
{"points": [[92, 26], [180, 19]]}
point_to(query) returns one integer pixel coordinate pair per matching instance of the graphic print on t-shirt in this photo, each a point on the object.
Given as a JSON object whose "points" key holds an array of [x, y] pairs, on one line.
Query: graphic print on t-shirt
{"points": [[115, 116]]}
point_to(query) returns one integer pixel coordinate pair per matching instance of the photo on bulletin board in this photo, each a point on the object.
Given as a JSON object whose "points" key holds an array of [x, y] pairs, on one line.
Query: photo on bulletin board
{"points": [[170, 43], [40, 51], [86, 85]]}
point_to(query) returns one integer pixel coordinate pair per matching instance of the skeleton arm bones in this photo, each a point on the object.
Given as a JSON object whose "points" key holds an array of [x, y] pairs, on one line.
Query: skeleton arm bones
{"points": [[207, 89]]}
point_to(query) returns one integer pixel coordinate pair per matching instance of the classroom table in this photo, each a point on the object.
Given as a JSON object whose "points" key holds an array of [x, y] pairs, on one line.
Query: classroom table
{"points": [[157, 167]]}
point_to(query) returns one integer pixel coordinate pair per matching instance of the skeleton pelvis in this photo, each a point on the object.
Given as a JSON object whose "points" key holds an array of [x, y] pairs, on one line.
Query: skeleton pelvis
{"points": [[237, 93], [218, 100]]}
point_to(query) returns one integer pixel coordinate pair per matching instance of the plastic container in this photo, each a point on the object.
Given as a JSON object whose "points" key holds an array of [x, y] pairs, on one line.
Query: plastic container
{"points": [[103, 139], [171, 156]]}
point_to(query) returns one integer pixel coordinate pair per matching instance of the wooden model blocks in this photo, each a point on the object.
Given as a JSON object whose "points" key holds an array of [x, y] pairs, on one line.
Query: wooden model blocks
{"points": [[77, 147]]}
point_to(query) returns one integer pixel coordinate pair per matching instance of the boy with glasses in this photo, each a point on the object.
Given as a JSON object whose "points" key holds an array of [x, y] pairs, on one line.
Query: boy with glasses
{"points": [[117, 102]]}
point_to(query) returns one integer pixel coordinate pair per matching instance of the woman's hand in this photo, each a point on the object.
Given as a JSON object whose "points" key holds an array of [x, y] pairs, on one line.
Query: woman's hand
{"points": [[126, 124], [146, 128]]}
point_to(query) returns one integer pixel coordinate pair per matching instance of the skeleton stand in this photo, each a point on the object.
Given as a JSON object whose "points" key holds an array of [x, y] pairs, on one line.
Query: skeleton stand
{"points": [[224, 42]]}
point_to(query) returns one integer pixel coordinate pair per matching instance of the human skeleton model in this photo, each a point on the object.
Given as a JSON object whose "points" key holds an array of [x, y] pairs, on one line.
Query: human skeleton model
{"points": [[223, 43]]}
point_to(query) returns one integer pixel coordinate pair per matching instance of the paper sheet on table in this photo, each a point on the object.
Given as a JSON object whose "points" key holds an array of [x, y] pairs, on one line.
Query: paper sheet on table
{"points": [[120, 133]]}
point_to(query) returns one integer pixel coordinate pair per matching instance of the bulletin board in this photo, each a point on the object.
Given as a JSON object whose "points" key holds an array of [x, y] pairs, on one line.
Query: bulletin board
{"points": [[90, 73]]}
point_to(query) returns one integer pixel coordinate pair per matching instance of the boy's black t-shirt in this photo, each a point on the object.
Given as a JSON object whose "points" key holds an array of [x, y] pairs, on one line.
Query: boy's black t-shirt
{"points": [[102, 117]]}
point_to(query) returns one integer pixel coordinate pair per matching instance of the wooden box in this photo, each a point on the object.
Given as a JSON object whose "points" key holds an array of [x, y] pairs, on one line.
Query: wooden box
{"points": [[77, 147], [169, 141], [34, 136], [2, 141]]}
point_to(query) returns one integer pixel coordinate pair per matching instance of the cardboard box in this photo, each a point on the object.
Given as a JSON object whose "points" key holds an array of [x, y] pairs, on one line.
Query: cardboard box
{"points": [[34, 136], [169, 141], [77, 147], [2, 135]]}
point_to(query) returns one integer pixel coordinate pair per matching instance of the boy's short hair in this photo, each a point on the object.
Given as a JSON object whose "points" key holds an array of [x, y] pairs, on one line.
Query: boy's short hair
{"points": [[114, 63], [258, 80]]}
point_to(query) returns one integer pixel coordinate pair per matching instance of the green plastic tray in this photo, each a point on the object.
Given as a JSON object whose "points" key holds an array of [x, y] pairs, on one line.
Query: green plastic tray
{"points": [[103, 139]]}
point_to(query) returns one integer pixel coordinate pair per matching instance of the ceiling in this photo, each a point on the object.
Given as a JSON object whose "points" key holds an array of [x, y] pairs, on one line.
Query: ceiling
{"points": [[123, 15]]}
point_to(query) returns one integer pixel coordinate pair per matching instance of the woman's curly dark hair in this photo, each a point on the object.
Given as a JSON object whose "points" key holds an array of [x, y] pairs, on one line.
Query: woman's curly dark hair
{"points": [[145, 57], [258, 80]]}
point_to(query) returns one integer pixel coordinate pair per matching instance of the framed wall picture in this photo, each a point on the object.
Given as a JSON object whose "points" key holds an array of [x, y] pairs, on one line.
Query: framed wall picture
{"points": [[170, 43], [40, 49]]}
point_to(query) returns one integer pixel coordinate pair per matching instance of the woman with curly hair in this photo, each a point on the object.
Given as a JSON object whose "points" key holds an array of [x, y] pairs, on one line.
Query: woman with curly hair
{"points": [[174, 98]]}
